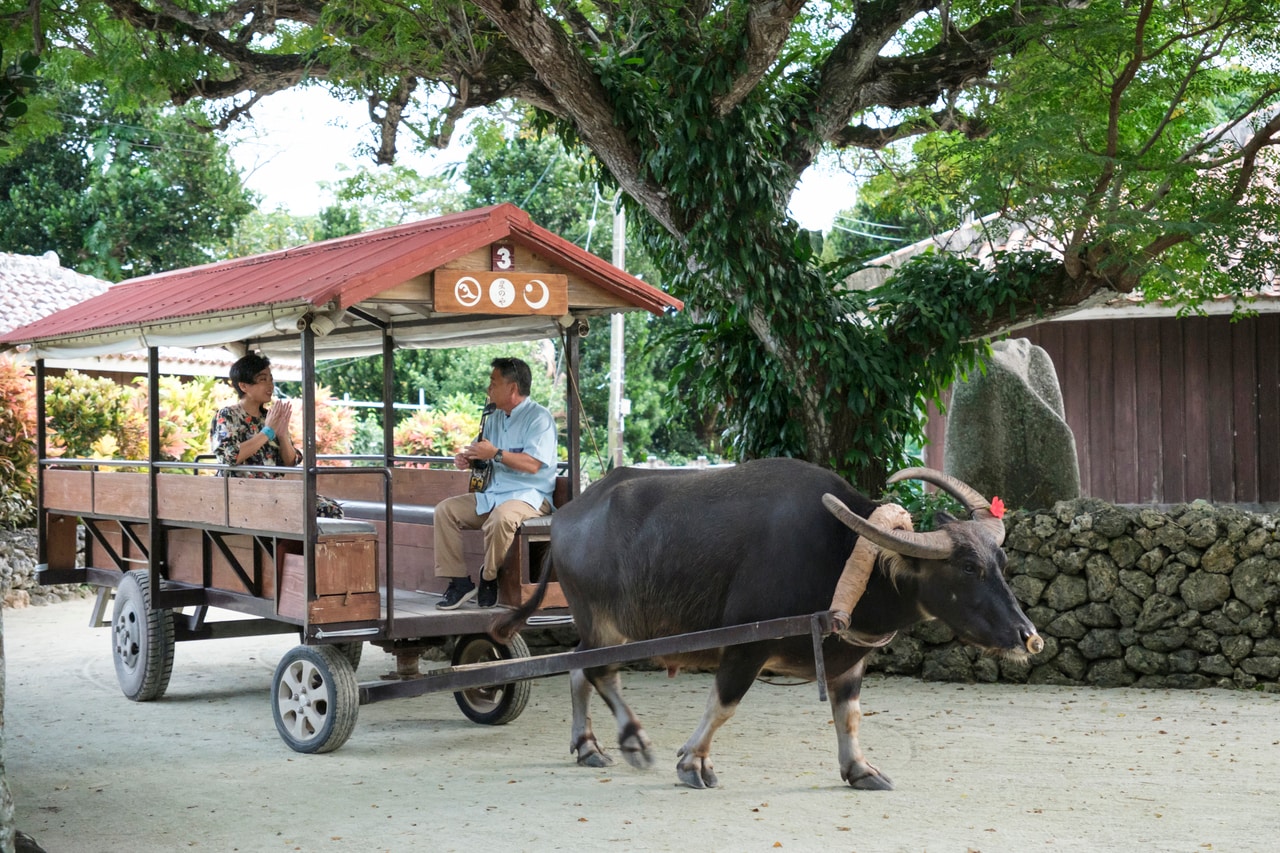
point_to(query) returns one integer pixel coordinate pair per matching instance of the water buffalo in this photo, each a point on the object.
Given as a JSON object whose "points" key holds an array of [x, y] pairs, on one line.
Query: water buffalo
{"points": [[645, 553]]}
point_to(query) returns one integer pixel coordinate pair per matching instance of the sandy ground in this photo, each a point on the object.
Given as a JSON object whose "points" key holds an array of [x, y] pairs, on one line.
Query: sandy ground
{"points": [[977, 768]]}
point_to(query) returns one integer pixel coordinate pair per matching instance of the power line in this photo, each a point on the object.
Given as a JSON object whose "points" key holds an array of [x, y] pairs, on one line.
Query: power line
{"points": [[869, 234], [872, 224]]}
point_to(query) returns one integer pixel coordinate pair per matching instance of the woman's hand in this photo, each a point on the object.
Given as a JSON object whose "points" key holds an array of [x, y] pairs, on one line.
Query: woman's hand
{"points": [[278, 416], [278, 419]]}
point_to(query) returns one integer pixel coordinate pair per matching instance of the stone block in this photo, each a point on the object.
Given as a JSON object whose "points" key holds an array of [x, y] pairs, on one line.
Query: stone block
{"points": [[1256, 582], [1110, 673], [1204, 591], [1102, 577], [1007, 433], [1066, 592], [1100, 643]]}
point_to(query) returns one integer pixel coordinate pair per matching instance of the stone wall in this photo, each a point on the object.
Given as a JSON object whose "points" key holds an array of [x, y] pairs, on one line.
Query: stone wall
{"points": [[1128, 596], [18, 573]]}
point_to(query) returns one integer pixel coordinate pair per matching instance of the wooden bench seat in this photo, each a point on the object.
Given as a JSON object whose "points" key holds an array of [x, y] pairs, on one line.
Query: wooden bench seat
{"points": [[415, 491]]}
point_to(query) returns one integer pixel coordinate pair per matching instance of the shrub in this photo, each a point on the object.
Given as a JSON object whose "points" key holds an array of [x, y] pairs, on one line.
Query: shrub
{"points": [[186, 413], [17, 443], [82, 411], [439, 431], [335, 424]]}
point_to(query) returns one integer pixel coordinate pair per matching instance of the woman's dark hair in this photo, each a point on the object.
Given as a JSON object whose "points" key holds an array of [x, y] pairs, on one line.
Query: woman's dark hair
{"points": [[514, 370], [246, 369]]}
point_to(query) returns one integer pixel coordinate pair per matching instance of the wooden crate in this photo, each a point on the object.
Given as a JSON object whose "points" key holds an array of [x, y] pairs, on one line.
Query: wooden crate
{"points": [[520, 573], [346, 582]]}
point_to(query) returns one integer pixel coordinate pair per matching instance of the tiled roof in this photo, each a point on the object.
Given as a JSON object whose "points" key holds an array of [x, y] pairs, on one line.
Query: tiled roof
{"points": [[32, 287]]}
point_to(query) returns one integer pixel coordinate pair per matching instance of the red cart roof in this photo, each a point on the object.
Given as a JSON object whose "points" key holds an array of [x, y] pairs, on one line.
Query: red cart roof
{"points": [[259, 301]]}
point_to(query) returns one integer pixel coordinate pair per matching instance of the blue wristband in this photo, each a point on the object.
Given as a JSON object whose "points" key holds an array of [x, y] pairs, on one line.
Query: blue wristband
{"points": [[269, 433]]}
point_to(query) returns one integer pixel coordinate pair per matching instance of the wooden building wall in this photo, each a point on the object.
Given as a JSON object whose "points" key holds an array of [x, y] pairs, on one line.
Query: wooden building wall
{"points": [[1166, 410]]}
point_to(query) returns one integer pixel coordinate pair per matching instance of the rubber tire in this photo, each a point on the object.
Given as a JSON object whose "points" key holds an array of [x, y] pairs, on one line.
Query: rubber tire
{"points": [[491, 706], [315, 698], [142, 639], [352, 652]]}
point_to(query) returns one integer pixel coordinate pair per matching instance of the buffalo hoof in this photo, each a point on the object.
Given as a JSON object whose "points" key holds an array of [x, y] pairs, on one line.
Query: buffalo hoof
{"points": [[638, 751], [697, 772], [594, 758], [864, 777]]}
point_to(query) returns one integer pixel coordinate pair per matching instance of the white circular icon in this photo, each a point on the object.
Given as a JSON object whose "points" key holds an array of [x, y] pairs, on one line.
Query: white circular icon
{"points": [[467, 291], [502, 292], [542, 300]]}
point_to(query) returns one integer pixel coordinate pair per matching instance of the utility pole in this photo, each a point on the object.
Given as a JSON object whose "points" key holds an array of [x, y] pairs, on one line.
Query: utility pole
{"points": [[617, 332]]}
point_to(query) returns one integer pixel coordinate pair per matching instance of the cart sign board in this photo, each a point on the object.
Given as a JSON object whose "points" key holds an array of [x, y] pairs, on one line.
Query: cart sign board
{"points": [[474, 292]]}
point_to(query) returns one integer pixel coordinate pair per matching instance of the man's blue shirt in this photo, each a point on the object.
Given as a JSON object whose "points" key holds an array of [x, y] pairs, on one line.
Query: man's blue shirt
{"points": [[530, 429]]}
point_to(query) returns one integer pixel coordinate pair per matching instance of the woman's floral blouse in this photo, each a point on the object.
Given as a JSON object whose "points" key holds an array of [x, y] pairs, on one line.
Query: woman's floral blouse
{"points": [[232, 427]]}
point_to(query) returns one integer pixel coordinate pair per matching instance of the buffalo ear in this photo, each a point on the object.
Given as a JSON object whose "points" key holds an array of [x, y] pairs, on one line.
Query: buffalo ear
{"points": [[942, 517]]}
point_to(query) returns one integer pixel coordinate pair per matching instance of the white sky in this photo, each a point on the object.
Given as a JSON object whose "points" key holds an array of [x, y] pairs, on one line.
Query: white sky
{"points": [[298, 139]]}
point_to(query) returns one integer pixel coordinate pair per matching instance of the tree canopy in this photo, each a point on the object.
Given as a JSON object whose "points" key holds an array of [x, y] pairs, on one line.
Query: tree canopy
{"points": [[119, 194], [1131, 135]]}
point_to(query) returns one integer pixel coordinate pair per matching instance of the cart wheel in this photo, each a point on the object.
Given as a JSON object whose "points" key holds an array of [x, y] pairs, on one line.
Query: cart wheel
{"points": [[315, 698], [492, 706], [141, 639], [352, 652]]}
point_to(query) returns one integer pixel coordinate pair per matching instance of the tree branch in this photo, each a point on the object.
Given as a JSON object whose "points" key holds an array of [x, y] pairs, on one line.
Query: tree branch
{"points": [[875, 138], [572, 81], [850, 69], [856, 78], [768, 26]]}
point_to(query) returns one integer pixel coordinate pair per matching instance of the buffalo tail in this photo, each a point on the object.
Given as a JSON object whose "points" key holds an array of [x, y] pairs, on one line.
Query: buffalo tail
{"points": [[507, 625]]}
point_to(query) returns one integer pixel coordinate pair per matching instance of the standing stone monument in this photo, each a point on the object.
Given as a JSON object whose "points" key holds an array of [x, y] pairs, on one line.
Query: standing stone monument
{"points": [[1006, 431]]}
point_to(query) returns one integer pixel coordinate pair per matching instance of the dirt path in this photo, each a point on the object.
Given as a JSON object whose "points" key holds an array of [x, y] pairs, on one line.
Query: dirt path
{"points": [[987, 768]]}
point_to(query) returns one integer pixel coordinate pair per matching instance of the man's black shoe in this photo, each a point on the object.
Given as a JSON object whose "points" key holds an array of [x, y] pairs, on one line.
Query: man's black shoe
{"points": [[488, 594], [460, 590]]}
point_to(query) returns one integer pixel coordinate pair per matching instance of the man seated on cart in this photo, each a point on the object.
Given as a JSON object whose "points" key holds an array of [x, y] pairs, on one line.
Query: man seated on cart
{"points": [[255, 431], [519, 441]]}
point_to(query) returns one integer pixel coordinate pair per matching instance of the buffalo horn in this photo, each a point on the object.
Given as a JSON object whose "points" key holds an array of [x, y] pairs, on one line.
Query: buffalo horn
{"points": [[979, 508], [935, 545]]}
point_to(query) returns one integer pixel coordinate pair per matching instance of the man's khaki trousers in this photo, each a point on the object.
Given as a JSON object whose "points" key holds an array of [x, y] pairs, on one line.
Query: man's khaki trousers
{"points": [[458, 513]]}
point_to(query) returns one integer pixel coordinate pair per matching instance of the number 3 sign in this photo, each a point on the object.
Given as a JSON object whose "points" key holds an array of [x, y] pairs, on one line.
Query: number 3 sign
{"points": [[502, 257]]}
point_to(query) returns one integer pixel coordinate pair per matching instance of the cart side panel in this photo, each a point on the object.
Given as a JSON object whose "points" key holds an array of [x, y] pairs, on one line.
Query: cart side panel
{"points": [[121, 493], [181, 497], [99, 558], [68, 490], [259, 504], [187, 551], [413, 486]]}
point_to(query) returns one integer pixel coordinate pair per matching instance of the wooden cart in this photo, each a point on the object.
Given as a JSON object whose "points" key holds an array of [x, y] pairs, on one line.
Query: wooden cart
{"points": [[166, 541]]}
